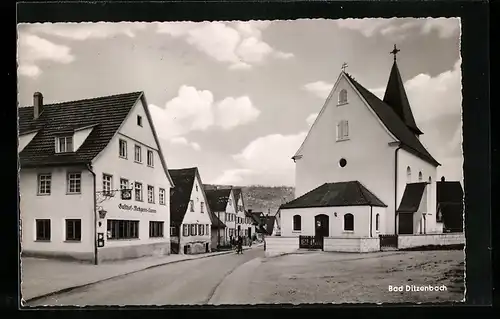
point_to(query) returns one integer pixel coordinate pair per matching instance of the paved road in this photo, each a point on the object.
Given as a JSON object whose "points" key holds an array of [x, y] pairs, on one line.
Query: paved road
{"points": [[188, 282]]}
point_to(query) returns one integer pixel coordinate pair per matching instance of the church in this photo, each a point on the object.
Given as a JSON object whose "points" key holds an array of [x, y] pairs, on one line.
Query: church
{"points": [[362, 170]]}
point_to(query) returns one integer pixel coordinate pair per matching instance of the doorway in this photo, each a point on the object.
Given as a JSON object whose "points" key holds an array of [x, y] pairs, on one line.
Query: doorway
{"points": [[322, 227], [405, 223]]}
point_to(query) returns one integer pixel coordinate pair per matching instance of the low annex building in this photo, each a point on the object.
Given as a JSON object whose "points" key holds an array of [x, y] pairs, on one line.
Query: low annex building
{"points": [[94, 184], [344, 209], [450, 205], [190, 223]]}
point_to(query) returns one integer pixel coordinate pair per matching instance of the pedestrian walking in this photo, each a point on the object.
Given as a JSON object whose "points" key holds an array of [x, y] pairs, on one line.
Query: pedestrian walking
{"points": [[239, 245]]}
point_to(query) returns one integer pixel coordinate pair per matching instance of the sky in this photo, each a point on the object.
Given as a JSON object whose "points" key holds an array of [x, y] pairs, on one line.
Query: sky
{"points": [[236, 99]]}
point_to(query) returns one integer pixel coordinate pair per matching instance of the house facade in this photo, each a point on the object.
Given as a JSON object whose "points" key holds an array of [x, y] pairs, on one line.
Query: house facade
{"points": [[92, 187], [191, 225], [245, 224], [359, 137], [221, 203]]}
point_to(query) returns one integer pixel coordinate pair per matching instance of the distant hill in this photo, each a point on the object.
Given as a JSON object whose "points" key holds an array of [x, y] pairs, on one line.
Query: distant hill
{"points": [[262, 198]]}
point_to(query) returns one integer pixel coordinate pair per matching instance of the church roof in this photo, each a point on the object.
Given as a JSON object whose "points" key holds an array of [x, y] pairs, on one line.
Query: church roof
{"points": [[394, 123], [412, 197], [395, 97], [351, 193]]}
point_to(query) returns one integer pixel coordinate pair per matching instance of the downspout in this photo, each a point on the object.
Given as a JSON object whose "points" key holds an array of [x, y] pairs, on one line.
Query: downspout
{"points": [[89, 168], [371, 220], [396, 188]]}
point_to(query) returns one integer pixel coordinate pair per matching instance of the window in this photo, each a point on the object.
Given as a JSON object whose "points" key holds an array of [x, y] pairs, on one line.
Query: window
{"points": [[138, 191], [201, 230], [107, 183], [439, 216], [196, 186], [342, 97], [202, 207], [173, 231], [155, 229], [64, 144], [44, 184], [150, 158], [408, 174], [137, 154], [348, 222], [151, 194], [123, 229], [185, 230], [139, 120], [343, 130], [342, 162], [229, 202], [191, 205], [74, 183], [420, 176], [193, 230], [73, 230], [207, 229], [124, 183], [162, 196], [43, 229], [297, 221], [430, 180], [377, 222], [123, 148]]}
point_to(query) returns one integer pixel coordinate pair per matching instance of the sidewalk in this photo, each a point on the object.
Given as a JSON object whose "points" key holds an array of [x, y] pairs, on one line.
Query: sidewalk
{"points": [[42, 277]]}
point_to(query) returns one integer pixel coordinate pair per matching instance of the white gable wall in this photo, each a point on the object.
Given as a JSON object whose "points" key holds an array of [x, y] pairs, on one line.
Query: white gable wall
{"points": [[369, 157], [24, 140], [109, 162], [198, 197]]}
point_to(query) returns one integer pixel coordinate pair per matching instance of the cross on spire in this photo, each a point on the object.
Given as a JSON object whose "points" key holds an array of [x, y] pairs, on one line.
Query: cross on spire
{"points": [[395, 51], [344, 66]]}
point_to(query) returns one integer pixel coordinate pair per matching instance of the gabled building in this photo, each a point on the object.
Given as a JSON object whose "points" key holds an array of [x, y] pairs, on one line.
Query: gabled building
{"points": [[190, 222], [360, 138], [221, 203], [450, 205], [245, 226], [94, 184]]}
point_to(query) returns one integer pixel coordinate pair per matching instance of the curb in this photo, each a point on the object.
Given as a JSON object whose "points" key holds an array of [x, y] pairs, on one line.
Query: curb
{"points": [[68, 289]]}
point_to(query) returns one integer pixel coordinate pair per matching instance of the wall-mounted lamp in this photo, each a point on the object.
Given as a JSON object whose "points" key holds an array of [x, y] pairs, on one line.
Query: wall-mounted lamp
{"points": [[102, 213]]}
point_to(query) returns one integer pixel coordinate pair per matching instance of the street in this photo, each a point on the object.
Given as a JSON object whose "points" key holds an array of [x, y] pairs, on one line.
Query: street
{"points": [[306, 277], [188, 282]]}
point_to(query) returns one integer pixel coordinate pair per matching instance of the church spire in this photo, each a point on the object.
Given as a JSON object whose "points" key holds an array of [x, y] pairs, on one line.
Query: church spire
{"points": [[395, 97]]}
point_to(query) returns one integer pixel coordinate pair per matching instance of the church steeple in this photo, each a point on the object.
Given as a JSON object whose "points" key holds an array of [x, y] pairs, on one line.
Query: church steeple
{"points": [[395, 97]]}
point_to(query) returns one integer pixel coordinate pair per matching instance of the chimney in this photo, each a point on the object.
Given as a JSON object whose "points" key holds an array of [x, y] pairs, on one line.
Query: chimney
{"points": [[442, 179], [37, 105]]}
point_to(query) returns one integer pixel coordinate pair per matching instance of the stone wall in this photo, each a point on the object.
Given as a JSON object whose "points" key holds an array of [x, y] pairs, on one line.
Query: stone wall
{"points": [[409, 241], [277, 245], [352, 245]]}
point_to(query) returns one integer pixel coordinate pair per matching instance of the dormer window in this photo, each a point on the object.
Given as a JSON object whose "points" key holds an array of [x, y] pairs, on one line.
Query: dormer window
{"points": [[342, 97], [64, 144]]}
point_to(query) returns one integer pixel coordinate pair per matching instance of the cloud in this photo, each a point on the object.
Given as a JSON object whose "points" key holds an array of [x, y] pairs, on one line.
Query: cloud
{"points": [[396, 27], [319, 88], [184, 142], [196, 110], [32, 48], [311, 118], [240, 44], [233, 112], [265, 161], [83, 31]]}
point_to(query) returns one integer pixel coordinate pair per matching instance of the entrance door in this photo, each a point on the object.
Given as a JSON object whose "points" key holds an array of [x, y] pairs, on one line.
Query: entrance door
{"points": [[405, 223], [250, 232], [239, 231], [322, 226]]}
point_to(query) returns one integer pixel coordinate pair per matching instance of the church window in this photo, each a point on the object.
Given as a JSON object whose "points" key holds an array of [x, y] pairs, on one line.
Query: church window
{"points": [[342, 162], [297, 221], [408, 174], [343, 130], [420, 176], [377, 222], [342, 97], [348, 222]]}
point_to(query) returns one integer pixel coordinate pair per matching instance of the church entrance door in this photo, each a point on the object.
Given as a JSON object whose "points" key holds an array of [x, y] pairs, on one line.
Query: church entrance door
{"points": [[405, 223]]}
